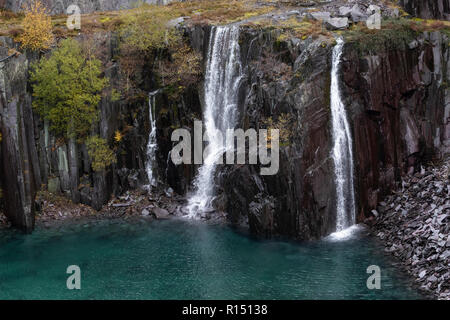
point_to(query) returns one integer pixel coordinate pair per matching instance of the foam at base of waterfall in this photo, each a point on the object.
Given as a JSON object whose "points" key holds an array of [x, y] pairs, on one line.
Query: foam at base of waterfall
{"points": [[346, 234]]}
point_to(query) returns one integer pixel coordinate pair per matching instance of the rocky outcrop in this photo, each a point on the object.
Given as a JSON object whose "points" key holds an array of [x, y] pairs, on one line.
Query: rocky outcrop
{"points": [[428, 9], [414, 224], [86, 6]]}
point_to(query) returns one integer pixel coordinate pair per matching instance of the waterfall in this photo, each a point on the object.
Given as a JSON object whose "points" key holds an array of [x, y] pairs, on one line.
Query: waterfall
{"points": [[222, 79], [150, 165], [342, 149]]}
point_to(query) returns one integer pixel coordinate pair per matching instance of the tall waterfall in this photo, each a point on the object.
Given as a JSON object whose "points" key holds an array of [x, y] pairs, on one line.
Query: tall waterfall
{"points": [[150, 164], [342, 149], [223, 75]]}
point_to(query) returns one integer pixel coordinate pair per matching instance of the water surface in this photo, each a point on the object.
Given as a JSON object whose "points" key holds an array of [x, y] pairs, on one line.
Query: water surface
{"points": [[188, 260]]}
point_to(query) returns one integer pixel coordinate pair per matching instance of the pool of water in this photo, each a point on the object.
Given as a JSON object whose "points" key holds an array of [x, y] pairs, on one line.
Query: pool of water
{"points": [[179, 259]]}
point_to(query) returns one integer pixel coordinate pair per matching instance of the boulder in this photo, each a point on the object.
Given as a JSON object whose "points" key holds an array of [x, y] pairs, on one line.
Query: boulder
{"points": [[358, 13], [336, 23], [320, 15], [160, 213]]}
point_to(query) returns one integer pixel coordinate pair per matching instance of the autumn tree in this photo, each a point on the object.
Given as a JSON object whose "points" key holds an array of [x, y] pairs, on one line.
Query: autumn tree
{"points": [[37, 26]]}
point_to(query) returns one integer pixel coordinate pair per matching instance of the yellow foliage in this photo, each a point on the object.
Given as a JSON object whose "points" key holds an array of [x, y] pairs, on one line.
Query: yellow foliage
{"points": [[37, 26], [100, 153], [118, 136]]}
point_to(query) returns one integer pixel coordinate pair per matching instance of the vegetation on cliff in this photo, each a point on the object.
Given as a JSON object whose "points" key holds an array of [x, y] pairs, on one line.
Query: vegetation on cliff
{"points": [[100, 153], [66, 90], [37, 27], [394, 34]]}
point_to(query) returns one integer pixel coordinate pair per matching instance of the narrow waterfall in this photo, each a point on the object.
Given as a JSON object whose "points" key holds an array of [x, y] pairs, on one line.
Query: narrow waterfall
{"points": [[150, 164], [222, 78], [342, 149]]}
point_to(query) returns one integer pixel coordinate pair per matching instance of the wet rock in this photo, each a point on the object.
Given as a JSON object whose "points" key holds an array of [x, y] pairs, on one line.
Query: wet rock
{"points": [[160, 213]]}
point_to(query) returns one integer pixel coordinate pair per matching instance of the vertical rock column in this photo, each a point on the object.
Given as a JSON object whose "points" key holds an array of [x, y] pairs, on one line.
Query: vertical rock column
{"points": [[18, 169]]}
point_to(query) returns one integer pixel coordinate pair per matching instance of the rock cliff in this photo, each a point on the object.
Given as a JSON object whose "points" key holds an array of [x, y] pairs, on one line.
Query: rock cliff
{"points": [[397, 98]]}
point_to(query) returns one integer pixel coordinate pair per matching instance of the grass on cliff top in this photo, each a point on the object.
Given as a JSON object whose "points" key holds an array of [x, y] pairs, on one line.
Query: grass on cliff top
{"points": [[394, 34], [199, 12], [292, 27]]}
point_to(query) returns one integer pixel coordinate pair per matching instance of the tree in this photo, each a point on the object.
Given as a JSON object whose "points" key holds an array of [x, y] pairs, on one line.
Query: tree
{"points": [[37, 26], [67, 89]]}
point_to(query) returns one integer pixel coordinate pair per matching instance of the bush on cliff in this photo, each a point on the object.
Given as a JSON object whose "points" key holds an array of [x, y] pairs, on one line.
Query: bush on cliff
{"points": [[147, 28], [37, 27], [100, 153], [67, 89], [182, 69]]}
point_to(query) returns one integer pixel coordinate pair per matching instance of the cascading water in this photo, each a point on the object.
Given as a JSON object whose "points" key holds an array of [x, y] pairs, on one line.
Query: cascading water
{"points": [[222, 79], [342, 149], [152, 144]]}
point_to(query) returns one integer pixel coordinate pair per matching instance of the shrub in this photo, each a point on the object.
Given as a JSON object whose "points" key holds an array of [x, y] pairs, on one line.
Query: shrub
{"points": [[182, 70], [146, 28], [100, 153], [66, 88], [37, 25]]}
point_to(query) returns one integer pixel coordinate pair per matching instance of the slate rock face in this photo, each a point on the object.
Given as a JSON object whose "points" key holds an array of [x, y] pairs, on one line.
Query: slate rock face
{"points": [[19, 171], [398, 112]]}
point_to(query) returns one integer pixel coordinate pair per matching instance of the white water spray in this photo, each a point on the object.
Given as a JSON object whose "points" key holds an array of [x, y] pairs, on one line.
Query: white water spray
{"points": [[222, 79], [342, 149], [150, 164]]}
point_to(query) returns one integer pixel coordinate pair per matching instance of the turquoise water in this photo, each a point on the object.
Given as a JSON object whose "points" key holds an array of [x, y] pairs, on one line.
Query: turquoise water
{"points": [[186, 260]]}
